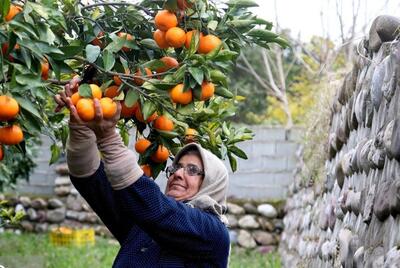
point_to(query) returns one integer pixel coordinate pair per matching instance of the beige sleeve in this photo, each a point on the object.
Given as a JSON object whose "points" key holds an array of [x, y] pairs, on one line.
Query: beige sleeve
{"points": [[120, 163], [83, 158]]}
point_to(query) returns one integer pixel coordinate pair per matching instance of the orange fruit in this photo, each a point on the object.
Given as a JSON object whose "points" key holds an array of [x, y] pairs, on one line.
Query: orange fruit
{"points": [[169, 63], [160, 155], [1, 152], [208, 43], [128, 112], [128, 37], [75, 98], [11, 135], [147, 170], [97, 40], [14, 10], [118, 80], [111, 92], [159, 37], [141, 145], [9, 108], [178, 96], [183, 4], [139, 116], [189, 36], [96, 91], [163, 123], [175, 37], [165, 20], [108, 107], [85, 109], [4, 49], [138, 81], [207, 90], [45, 67]]}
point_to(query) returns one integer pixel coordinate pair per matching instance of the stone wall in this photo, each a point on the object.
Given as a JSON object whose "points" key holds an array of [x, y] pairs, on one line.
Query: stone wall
{"points": [[350, 218], [252, 225]]}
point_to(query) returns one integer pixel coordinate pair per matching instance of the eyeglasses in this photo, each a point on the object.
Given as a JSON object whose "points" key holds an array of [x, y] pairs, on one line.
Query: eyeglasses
{"points": [[191, 170]]}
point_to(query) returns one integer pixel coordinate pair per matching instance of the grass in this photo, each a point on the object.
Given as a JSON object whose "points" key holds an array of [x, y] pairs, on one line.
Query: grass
{"points": [[35, 250]]}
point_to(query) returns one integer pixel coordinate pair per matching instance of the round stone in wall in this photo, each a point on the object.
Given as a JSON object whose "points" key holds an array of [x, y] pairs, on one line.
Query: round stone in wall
{"points": [[248, 222], [246, 240], [235, 209], [267, 210]]}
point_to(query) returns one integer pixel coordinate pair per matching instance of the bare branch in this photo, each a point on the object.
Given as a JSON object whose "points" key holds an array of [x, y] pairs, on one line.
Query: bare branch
{"points": [[279, 63], [251, 71]]}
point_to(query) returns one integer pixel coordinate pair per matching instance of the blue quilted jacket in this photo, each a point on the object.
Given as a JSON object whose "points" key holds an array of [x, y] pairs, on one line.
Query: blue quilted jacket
{"points": [[155, 230]]}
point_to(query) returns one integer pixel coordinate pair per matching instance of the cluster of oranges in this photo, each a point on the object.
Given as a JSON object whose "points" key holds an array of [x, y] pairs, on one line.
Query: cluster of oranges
{"points": [[168, 34], [161, 154], [11, 134], [85, 106]]}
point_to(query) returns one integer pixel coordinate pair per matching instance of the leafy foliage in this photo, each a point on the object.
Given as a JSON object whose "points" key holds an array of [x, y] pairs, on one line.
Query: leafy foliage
{"points": [[92, 41]]}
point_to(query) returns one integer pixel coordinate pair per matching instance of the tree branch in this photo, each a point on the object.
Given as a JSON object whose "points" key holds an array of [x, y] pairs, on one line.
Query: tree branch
{"points": [[145, 10]]}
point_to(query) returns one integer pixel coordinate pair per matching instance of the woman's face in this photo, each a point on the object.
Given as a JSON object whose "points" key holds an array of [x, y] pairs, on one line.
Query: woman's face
{"points": [[181, 185]]}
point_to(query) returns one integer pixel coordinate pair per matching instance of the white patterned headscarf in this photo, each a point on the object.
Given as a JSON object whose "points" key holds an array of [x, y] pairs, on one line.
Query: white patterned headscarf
{"points": [[211, 196]]}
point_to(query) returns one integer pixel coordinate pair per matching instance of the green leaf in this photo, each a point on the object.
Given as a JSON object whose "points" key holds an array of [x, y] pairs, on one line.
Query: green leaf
{"points": [[26, 27], [168, 134], [263, 34], [225, 129], [108, 60], [223, 92], [46, 34], [282, 42], [40, 47], [212, 25], [92, 53], [5, 7], [240, 23], [238, 152], [242, 3], [85, 91], [30, 79], [159, 84], [27, 57], [197, 74], [68, 52], [27, 105], [131, 98], [148, 109], [55, 153], [125, 136], [232, 162], [171, 5], [39, 9], [267, 24], [226, 55], [149, 43], [116, 45]]}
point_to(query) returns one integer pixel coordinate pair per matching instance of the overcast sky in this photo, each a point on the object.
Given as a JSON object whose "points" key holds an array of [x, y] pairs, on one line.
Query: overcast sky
{"points": [[304, 16]]}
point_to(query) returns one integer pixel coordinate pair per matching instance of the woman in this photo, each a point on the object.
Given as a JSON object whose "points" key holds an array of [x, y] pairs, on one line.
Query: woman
{"points": [[184, 227]]}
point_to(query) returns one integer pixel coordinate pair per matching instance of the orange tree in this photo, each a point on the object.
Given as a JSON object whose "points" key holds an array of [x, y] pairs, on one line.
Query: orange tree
{"points": [[165, 61]]}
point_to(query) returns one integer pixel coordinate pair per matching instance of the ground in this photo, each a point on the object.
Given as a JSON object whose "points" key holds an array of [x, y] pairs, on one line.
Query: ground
{"points": [[35, 250]]}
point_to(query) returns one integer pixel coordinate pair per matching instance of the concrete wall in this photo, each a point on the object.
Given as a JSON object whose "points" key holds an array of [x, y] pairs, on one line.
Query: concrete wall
{"points": [[265, 175]]}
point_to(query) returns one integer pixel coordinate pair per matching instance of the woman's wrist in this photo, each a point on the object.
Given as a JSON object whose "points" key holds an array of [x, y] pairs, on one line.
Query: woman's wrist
{"points": [[120, 163], [82, 154]]}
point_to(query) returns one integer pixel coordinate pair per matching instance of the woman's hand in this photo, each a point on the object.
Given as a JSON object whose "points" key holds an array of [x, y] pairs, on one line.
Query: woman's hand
{"points": [[99, 124]]}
